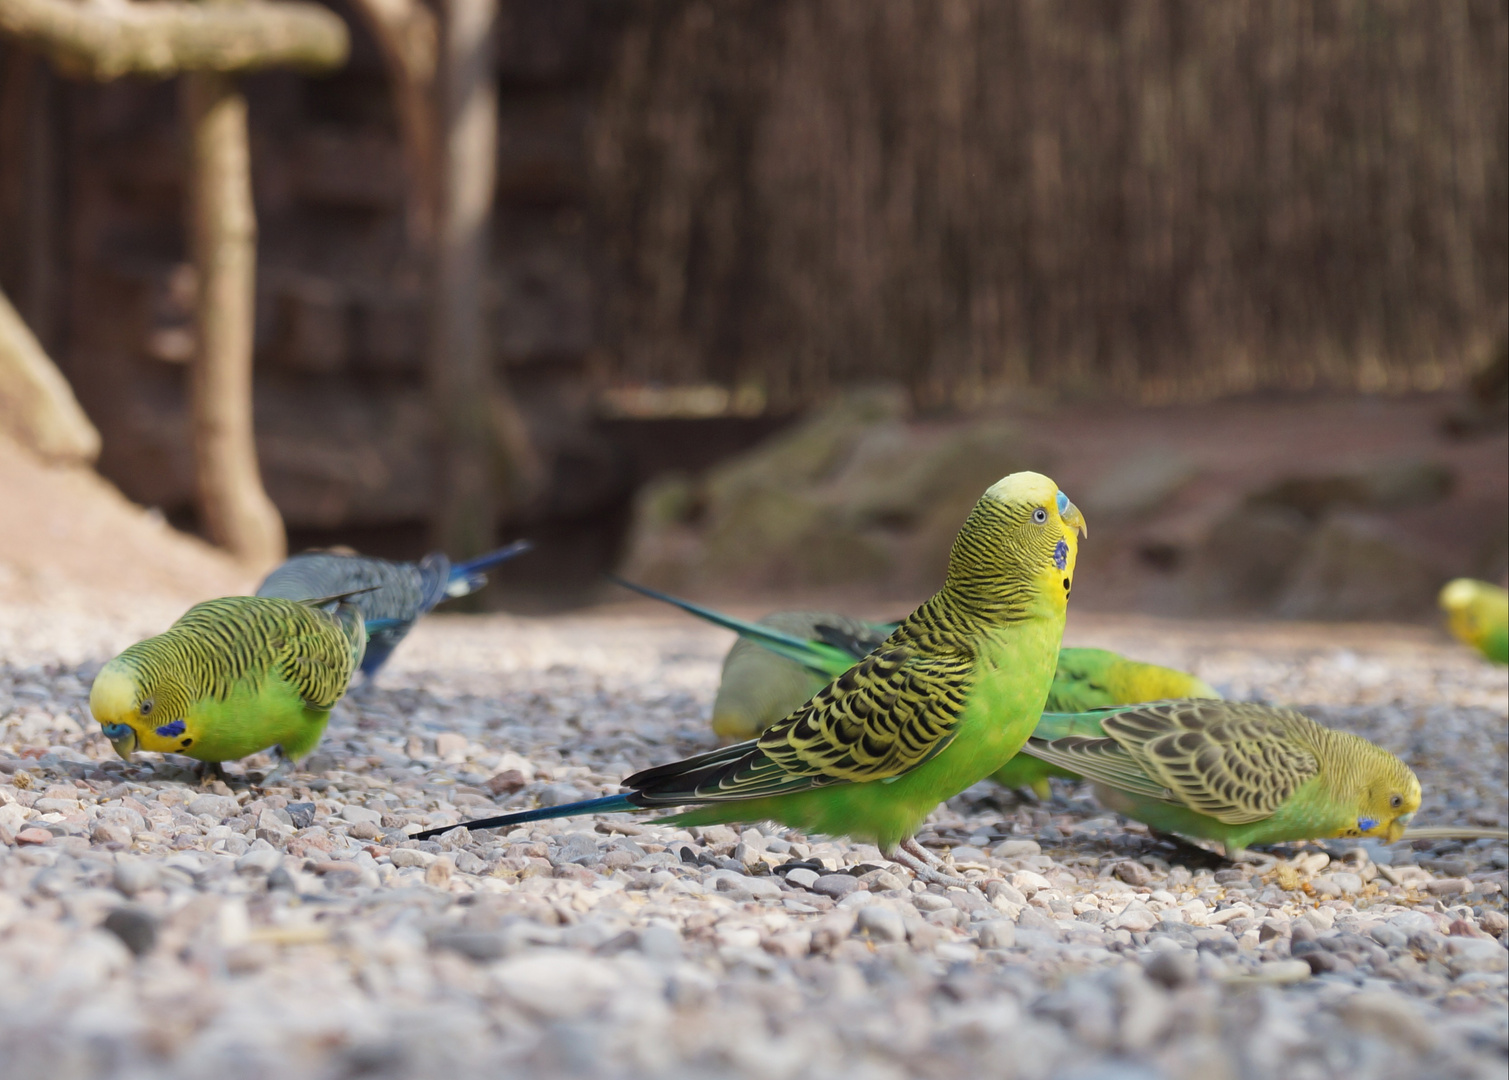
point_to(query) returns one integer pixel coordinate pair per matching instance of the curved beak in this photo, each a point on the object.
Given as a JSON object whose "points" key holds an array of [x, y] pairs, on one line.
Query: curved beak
{"points": [[1073, 518], [123, 738], [1394, 831]]}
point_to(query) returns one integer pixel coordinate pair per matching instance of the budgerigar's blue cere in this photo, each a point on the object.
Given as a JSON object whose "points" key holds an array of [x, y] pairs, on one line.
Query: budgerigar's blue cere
{"points": [[1063, 504]]}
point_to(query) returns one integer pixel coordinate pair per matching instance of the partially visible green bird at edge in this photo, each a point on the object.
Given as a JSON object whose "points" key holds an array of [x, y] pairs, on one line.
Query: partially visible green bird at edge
{"points": [[944, 701], [232, 677], [1478, 614]]}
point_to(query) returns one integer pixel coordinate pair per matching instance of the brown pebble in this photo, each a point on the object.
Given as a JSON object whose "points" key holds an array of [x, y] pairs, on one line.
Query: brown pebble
{"points": [[1464, 928], [1133, 873], [438, 873], [33, 836], [506, 782]]}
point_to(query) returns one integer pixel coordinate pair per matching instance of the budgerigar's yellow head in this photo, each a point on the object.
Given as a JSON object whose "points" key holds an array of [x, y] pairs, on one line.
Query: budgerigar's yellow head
{"points": [[1474, 610], [114, 702], [1018, 546], [138, 704], [1385, 791]]}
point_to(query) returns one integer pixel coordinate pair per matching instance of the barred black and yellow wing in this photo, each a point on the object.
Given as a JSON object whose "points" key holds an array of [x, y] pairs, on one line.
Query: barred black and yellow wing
{"points": [[886, 715], [221, 643], [1236, 762]]}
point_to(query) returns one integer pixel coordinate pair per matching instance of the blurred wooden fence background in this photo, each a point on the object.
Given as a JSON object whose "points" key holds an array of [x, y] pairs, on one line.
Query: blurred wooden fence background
{"points": [[1150, 198]]}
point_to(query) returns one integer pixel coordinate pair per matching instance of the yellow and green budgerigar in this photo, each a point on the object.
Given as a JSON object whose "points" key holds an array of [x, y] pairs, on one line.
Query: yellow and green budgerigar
{"points": [[1236, 772], [943, 702], [232, 677], [1478, 614], [785, 658]]}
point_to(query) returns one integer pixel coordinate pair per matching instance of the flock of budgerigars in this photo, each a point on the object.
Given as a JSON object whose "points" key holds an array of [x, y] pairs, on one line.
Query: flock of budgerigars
{"points": [[832, 725]]}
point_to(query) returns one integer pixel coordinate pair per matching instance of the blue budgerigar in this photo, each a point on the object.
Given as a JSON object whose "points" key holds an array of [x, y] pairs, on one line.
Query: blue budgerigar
{"points": [[396, 593]]}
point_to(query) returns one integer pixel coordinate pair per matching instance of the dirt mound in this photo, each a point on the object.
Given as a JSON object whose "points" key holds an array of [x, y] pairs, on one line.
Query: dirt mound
{"points": [[70, 541]]}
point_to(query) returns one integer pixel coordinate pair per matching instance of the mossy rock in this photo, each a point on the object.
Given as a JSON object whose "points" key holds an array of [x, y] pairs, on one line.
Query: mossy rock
{"points": [[946, 477], [782, 538]]}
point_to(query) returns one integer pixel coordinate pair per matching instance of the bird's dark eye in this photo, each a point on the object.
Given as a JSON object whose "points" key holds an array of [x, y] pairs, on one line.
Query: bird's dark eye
{"points": [[1039, 515], [146, 707], [1396, 801]]}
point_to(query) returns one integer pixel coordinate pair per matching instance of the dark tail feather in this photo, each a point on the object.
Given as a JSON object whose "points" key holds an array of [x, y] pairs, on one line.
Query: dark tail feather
{"points": [[468, 577], [335, 598], [607, 805]]}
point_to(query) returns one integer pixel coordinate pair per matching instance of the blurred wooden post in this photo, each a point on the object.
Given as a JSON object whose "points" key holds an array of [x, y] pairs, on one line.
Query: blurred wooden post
{"points": [[459, 361], [205, 42], [238, 515], [406, 35]]}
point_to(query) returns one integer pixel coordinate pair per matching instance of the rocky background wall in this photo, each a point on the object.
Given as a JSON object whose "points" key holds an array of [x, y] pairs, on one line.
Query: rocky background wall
{"points": [[1150, 202]]}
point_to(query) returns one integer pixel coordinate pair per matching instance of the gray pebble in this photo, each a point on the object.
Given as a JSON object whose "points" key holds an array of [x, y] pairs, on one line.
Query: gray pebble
{"points": [[802, 877], [135, 876], [881, 923], [263, 860], [659, 942], [1171, 967], [996, 934], [136, 928], [836, 886], [473, 944]]}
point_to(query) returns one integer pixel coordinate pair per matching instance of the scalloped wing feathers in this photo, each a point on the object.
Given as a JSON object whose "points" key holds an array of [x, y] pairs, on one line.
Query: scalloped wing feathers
{"points": [[1235, 762]]}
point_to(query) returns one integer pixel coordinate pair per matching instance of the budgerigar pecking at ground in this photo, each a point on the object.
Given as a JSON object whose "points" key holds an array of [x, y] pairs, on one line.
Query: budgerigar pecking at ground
{"points": [[943, 702], [785, 658], [1478, 614], [1235, 772], [232, 677], [398, 593]]}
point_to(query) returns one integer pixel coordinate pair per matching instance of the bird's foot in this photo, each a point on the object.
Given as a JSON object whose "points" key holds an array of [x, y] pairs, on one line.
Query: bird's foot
{"points": [[1259, 860], [278, 774], [926, 866], [210, 772], [923, 872]]}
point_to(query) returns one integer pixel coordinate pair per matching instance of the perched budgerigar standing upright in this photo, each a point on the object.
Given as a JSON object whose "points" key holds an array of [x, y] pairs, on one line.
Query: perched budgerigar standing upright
{"points": [[1235, 772], [785, 658], [942, 703], [1095, 679], [232, 677], [1478, 614], [397, 593]]}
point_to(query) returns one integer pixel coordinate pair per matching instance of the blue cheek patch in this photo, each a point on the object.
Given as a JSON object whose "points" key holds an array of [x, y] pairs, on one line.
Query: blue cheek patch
{"points": [[1060, 553], [1367, 824], [167, 731]]}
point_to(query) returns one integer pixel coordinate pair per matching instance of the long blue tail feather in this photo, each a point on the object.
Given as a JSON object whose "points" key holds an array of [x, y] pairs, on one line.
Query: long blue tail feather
{"points": [[608, 804], [817, 656], [470, 573]]}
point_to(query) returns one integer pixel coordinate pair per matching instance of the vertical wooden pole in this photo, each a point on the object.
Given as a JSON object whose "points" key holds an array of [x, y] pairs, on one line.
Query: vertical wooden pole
{"points": [[236, 511], [459, 362]]}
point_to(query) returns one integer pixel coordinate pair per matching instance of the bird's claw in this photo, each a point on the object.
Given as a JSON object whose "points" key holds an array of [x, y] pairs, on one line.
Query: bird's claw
{"points": [[925, 866]]}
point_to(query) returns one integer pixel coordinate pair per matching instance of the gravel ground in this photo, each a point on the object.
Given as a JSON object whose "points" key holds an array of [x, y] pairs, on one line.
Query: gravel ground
{"points": [[153, 927]]}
